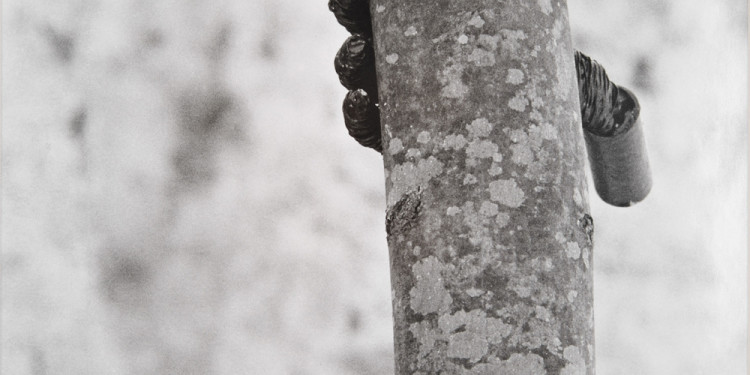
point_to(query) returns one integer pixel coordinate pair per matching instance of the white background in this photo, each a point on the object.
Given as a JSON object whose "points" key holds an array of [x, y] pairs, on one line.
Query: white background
{"points": [[179, 194]]}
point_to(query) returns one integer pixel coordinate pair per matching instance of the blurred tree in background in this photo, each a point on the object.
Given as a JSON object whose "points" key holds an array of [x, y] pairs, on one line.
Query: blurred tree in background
{"points": [[180, 195]]}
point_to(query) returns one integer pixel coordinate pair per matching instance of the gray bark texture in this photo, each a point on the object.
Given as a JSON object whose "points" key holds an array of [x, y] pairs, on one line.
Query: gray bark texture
{"points": [[487, 207]]}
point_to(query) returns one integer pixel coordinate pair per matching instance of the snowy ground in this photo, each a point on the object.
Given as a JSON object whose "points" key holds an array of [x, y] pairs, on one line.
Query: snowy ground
{"points": [[180, 197]]}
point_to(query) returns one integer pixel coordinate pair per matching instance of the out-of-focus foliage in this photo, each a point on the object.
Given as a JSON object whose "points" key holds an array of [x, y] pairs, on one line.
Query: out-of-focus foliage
{"points": [[180, 195]]}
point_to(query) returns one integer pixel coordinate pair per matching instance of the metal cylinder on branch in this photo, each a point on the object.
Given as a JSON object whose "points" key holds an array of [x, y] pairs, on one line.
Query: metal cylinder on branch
{"points": [[619, 161], [487, 212], [614, 136]]}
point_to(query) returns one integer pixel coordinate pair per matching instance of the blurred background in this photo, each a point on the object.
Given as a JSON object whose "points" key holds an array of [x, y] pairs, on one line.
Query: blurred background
{"points": [[180, 196]]}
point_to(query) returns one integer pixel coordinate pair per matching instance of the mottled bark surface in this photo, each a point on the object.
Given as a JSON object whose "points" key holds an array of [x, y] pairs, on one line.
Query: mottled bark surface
{"points": [[487, 219]]}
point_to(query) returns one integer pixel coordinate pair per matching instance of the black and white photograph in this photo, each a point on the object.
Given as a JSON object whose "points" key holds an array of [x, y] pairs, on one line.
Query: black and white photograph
{"points": [[374, 187]]}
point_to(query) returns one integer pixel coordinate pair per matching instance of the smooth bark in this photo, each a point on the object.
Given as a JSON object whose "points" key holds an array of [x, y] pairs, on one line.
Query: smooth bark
{"points": [[487, 208]]}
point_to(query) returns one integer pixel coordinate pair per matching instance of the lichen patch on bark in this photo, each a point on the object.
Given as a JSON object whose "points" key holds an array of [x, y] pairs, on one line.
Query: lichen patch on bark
{"points": [[507, 193], [424, 137], [413, 153], [476, 21], [517, 364], [502, 219], [572, 296], [453, 85], [520, 147], [463, 335], [484, 53], [518, 102], [479, 128], [573, 250], [482, 57], [488, 209], [454, 141], [576, 364], [495, 170], [478, 225], [408, 176], [452, 211], [395, 146], [479, 149], [515, 76], [511, 42], [545, 6], [470, 179], [549, 132], [429, 294]]}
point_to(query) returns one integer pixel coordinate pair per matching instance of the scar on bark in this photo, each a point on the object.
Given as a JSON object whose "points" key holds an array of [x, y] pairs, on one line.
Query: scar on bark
{"points": [[587, 224], [404, 213]]}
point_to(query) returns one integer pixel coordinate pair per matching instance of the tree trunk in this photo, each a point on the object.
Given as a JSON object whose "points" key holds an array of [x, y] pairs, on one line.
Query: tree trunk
{"points": [[487, 208]]}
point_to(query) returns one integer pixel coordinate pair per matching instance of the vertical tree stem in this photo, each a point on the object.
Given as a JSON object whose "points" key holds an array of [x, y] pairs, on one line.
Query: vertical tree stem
{"points": [[487, 208]]}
